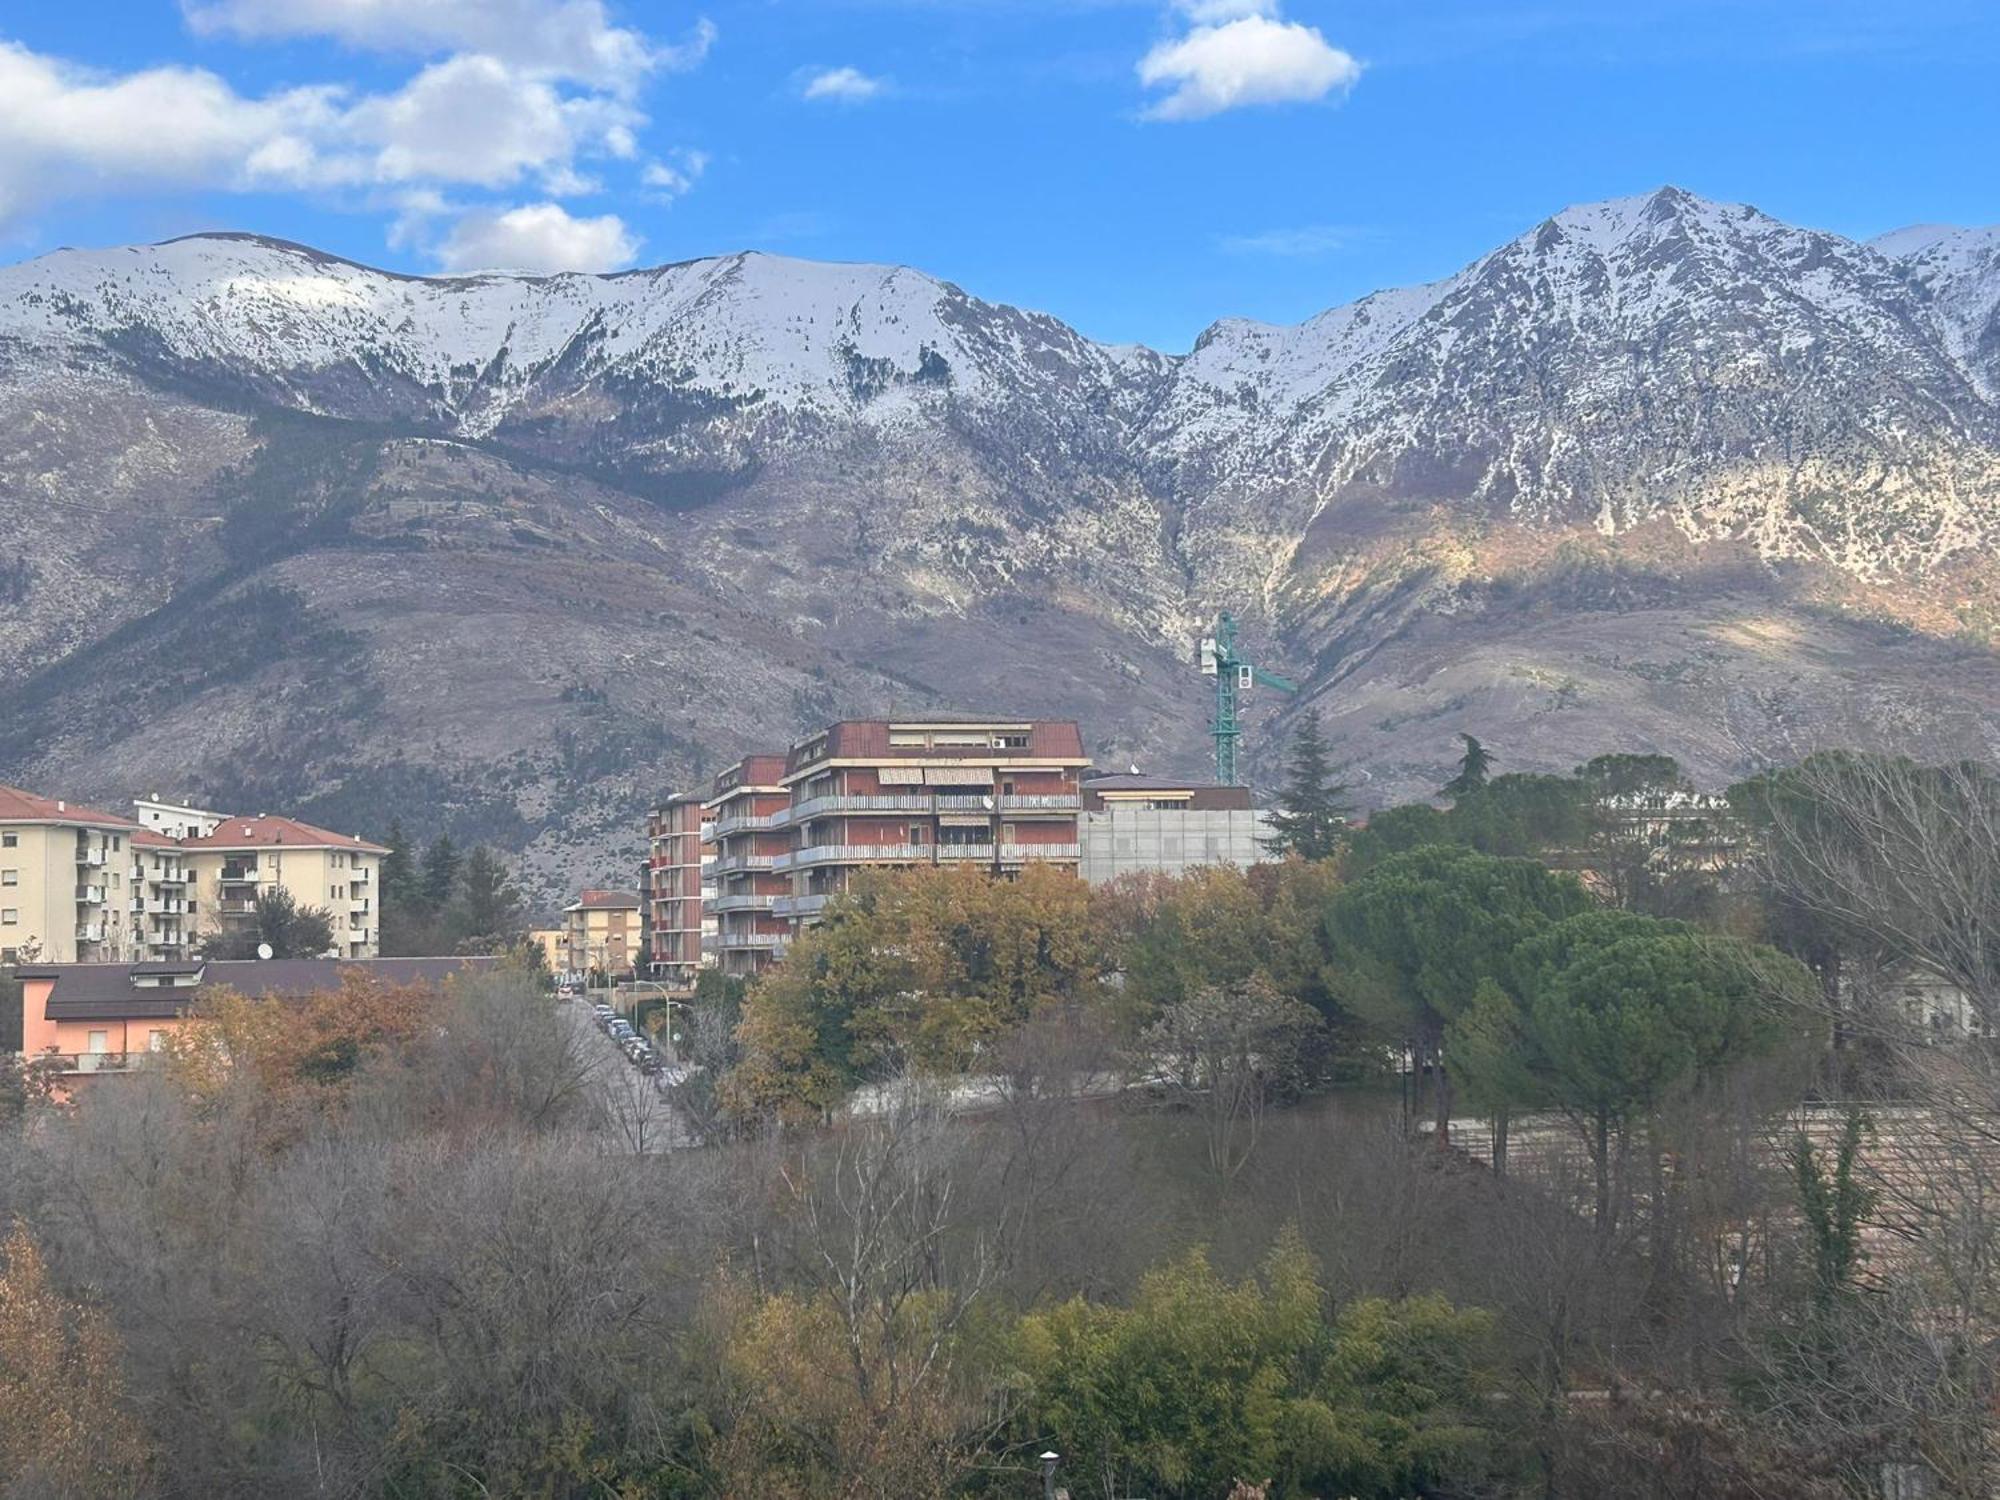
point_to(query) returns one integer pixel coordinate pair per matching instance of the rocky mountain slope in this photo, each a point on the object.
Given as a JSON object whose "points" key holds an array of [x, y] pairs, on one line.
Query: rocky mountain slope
{"points": [[515, 554]]}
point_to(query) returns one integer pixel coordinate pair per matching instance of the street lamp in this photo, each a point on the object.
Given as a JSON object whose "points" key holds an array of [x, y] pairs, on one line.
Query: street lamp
{"points": [[1049, 1462]]}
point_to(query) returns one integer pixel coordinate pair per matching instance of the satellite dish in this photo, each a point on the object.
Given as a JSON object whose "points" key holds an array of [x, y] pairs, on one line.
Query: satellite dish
{"points": [[263, 950]]}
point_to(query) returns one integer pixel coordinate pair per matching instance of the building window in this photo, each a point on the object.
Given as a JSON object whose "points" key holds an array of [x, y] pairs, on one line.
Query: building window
{"points": [[9, 917], [1010, 742], [10, 877], [9, 840], [100, 1041]]}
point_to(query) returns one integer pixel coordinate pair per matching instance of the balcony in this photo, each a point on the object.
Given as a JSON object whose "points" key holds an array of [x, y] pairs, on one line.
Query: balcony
{"points": [[820, 807], [750, 901], [358, 905], [94, 858], [1037, 802], [236, 906], [168, 906], [168, 877], [359, 877], [729, 864], [761, 823], [964, 853], [92, 1062], [89, 932], [174, 938], [855, 854], [90, 895], [799, 906], [1015, 854], [240, 875], [752, 940]]}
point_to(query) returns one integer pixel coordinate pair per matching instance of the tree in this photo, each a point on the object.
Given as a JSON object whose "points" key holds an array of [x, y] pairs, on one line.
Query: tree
{"points": [[1313, 805], [289, 929], [1412, 939], [487, 912], [1473, 768], [1230, 1051], [440, 872], [402, 886], [64, 1429]]}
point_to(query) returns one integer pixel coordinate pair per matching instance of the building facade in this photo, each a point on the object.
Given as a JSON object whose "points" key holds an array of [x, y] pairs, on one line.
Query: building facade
{"points": [[176, 820], [1160, 825], [64, 882], [681, 891], [601, 933], [162, 902], [748, 811], [243, 857]]}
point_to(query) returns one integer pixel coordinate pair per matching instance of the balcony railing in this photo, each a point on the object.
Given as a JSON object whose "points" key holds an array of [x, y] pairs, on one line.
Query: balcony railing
{"points": [[854, 854], [820, 807], [92, 1062], [89, 932], [963, 853], [359, 904], [752, 940], [240, 875], [799, 906], [171, 906], [729, 864], [748, 824], [235, 906], [168, 877], [1013, 854], [749, 901], [91, 857], [1041, 802], [90, 895]]}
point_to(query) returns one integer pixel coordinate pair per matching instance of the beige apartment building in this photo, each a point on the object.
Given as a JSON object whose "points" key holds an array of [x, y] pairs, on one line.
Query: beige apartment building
{"points": [[601, 932], [245, 856], [64, 881]]}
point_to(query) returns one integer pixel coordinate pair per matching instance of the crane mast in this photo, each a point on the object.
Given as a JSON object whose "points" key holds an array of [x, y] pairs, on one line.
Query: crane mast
{"points": [[1234, 677]]}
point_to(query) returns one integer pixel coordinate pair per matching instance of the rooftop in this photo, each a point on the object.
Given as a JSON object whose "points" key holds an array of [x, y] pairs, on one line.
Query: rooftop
{"points": [[152, 991], [264, 831], [19, 806], [604, 901]]}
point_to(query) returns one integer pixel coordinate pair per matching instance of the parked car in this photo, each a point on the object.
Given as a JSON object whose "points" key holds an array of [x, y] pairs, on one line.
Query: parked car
{"points": [[621, 1030], [602, 1011]]}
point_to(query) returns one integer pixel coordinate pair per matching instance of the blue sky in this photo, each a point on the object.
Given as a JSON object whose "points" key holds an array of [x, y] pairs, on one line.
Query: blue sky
{"points": [[1138, 167]]}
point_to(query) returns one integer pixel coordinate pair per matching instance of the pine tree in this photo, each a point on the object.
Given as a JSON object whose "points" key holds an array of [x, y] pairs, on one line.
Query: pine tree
{"points": [[489, 908], [1474, 767], [402, 889], [441, 862], [1313, 806]]}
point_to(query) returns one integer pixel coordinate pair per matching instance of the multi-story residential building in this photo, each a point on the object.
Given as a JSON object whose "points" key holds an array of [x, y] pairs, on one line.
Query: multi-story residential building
{"points": [[681, 891], [161, 907], [1162, 825], [601, 933], [244, 856], [554, 943], [749, 812], [995, 794], [63, 881]]}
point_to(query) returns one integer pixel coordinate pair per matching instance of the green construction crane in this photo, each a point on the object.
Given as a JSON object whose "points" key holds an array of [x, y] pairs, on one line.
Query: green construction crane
{"points": [[1233, 678]]}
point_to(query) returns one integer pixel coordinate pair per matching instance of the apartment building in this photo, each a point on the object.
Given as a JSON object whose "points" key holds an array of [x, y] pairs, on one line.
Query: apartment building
{"points": [[601, 932], [681, 891], [63, 881], [244, 856], [161, 909], [1163, 825], [175, 820], [749, 811]]}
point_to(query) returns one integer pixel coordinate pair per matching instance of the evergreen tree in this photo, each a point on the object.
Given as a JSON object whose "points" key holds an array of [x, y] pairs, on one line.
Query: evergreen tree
{"points": [[489, 908], [402, 888], [441, 862], [1474, 767], [1313, 806]]}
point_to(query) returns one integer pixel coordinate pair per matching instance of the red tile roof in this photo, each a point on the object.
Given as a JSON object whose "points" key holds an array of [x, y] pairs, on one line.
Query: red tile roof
{"points": [[18, 806], [604, 901], [277, 833], [152, 838]]}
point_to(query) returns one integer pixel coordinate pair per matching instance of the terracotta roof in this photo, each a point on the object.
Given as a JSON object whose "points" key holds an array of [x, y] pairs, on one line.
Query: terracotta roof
{"points": [[18, 806], [105, 992], [149, 838], [266, 832], [868, 739], [604, 901]]}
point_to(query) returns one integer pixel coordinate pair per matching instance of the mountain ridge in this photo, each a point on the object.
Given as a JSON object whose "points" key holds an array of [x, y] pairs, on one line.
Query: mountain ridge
{"points": [[675, 512]]}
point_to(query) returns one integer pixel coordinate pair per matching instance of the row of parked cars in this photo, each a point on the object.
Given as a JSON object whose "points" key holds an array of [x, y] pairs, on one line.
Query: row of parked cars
{"points": [[641, 1053]]}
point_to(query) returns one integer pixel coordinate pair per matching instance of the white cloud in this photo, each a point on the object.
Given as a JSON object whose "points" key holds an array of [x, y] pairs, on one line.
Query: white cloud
{"points": [[676, 174], [847, 85], [1216, 12], [537, 237], [572, 39], [467, 121], [1245, 55], [1299, 244]]}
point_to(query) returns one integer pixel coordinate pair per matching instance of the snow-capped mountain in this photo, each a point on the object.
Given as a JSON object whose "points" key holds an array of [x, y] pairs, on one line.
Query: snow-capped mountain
{"points": [[258, 491]]}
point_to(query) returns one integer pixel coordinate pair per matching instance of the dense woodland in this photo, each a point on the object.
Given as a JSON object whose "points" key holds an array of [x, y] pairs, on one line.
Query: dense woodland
{"points": [[1568, 1137]]}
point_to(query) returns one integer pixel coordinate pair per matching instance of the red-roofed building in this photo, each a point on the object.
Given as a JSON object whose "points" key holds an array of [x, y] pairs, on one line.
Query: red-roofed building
{"points": [[63, 873], [340, 873]]}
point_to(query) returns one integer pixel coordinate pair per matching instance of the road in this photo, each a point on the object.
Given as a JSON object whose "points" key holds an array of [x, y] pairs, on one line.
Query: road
{"points": [[636, 1107]]}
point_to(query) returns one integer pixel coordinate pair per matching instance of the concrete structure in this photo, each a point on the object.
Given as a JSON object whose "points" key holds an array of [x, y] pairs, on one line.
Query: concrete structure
{"points": [[749, 810], [245, 856], [601, 933], [1167, 826], [176, 820], [64, 872], [681, 892], [554, 943], [108, 1018]]}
